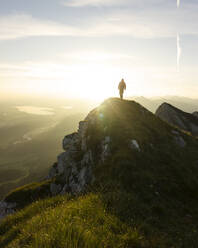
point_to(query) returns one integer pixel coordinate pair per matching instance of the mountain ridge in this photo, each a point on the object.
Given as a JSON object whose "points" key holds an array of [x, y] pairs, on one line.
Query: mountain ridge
{"points": [[126, 165], [185, 121]]}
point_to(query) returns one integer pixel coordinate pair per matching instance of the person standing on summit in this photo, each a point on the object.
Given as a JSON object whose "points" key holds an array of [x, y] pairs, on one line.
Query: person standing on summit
{"points": [[122, 88]]}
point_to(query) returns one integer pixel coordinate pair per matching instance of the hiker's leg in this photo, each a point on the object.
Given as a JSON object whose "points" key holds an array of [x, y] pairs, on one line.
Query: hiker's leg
{"points": [[121, 94]]}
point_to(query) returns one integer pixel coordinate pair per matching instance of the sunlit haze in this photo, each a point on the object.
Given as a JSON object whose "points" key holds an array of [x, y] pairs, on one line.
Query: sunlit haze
{"points": [[82, 48]]}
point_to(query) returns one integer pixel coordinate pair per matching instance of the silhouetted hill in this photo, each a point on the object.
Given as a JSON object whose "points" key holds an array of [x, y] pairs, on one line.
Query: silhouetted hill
{"points": [[179, 118], [127, 179]]}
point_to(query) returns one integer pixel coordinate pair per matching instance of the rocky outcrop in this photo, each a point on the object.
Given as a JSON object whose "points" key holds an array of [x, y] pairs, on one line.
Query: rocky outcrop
{"points": [[178, 139], [105, 148], [55, 189], [6, 209], [73, 170], [174, 116], [195, 114], [134, 145]]}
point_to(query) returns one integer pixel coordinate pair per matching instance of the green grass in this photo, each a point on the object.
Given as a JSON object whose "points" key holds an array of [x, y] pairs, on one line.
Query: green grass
{"points": [[60, 223]]}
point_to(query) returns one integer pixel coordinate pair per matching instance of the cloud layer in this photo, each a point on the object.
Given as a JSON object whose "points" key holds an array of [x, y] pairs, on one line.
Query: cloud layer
{"points": [[81, 3], [20, 26], [108, 3], [149, 23]]}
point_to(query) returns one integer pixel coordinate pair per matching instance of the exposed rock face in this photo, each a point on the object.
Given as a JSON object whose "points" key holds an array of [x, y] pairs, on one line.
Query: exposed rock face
{"points": [[195, 114], [73, 170], [105, 148], [180, 141], [185, 121], [55, 189], [70, 141], [134, 145], [6, 209], [83, 126]]}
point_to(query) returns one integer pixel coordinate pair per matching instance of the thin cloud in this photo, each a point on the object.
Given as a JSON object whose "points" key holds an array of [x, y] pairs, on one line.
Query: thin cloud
{"points": [[21, 26], [139, 25], [82, 3], [97, 3]]}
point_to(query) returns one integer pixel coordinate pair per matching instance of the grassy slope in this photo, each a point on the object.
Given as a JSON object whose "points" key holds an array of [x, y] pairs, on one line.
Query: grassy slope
{"points": [[61, 223], [140, 199]]}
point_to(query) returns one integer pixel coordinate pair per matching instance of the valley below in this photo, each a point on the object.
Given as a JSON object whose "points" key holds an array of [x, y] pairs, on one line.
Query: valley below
{"points": [[30, 141]]}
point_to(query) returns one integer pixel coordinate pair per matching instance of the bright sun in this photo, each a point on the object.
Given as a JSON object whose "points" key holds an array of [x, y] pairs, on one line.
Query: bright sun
{"points": [[95, 82], [94, 77]]}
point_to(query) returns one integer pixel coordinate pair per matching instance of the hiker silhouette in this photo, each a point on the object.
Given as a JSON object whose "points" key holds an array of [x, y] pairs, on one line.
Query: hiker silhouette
{"points": [[122, 88]]}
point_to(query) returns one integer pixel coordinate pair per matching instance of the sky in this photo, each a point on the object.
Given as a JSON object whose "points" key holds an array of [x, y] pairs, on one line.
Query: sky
{"points": [[83, 48]]}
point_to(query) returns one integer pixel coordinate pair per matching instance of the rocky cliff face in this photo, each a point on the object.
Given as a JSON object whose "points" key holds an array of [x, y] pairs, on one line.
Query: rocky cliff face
{"points": [[174, 116], [73, 170]]}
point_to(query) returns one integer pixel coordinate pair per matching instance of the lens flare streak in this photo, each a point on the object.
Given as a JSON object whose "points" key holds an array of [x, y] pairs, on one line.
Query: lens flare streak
{"points": [[178, 52]]}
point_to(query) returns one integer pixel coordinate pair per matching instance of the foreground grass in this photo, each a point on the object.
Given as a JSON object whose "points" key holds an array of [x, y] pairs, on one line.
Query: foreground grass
{"points": [[60, 222]]}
